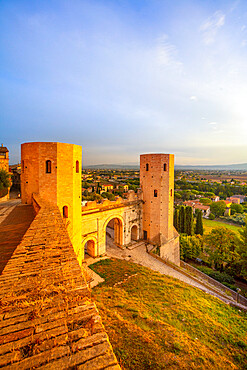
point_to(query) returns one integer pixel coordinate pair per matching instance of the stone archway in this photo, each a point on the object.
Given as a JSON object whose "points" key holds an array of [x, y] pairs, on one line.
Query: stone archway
{"points": [[89, 247], [114, 231], [134, 233]]}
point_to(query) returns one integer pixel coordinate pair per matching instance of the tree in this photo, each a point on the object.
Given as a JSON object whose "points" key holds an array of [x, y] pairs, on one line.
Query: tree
{"points": [[177, 195], [188, 227], [108, 195], [236, 208], [190, 246], [4, 179], [182, 219], [221, 247], [218, 208], [176, 219], [199, 224], [205, 201], [242, 251]]}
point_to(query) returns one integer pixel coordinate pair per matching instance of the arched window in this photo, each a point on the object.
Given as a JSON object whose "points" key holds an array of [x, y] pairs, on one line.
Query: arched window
{"points": [[48, 166], [77, 166], [65, 212], [147, 166], [164, 166], [155, 193]]}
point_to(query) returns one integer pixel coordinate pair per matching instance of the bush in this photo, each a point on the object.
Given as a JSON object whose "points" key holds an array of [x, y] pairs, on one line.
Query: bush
{"points": [[4, 179], [222, 277], [238, 218], [3, 192], [190, 246], [211, 216]]}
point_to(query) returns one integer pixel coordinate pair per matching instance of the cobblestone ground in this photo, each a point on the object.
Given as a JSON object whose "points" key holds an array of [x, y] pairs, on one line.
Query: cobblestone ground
{"points": [[15, 219]]}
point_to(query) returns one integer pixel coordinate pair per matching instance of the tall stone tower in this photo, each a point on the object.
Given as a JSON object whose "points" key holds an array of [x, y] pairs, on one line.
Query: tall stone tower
{"points": [[157, 183], [53, 170], [4, 158]]}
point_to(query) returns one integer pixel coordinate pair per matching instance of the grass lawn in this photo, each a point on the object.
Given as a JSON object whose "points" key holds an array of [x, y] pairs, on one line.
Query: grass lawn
{"points": [[208, 225], [157, 322]]}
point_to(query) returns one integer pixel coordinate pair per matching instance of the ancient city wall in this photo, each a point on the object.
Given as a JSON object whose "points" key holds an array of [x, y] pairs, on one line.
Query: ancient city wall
{"points": [[47, 318]]}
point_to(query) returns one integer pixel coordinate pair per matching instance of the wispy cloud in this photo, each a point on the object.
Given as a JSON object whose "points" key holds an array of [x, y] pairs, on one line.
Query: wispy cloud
{"points": [[167, 53], [211, 26]]}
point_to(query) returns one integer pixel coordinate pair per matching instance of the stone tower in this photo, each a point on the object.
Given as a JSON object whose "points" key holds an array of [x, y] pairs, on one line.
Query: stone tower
{"points": [[53, 170], [4, 158], [157, 183]]}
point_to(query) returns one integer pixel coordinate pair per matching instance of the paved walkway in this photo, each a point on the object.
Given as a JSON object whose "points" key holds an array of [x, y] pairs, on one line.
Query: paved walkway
{"points": [[140, 256], [15, 219]]}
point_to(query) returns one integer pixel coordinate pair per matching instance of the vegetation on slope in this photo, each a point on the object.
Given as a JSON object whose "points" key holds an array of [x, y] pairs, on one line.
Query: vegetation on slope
{"points": [[208, 225], [157, 322]]}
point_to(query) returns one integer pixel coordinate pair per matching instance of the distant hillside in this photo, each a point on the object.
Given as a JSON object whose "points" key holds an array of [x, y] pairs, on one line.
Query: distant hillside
{"points": [[113, 167], [239, 166], [157, 322], [136, 166]]}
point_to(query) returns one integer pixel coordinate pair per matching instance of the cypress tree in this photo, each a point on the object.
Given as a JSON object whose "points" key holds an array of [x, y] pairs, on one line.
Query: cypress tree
{"points": [[199, 224], [182, 219], [188, 220], [176, 219]]}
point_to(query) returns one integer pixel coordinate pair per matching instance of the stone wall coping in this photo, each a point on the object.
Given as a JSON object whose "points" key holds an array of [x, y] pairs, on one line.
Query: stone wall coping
{"points": [[47, 317]]}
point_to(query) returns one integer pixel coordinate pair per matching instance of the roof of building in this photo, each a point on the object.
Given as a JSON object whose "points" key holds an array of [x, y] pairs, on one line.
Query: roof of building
{"points": [[3, 149]]}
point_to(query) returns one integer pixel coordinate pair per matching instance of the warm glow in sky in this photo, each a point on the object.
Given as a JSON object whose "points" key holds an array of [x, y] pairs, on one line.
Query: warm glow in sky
{"points": [[123, 78]]}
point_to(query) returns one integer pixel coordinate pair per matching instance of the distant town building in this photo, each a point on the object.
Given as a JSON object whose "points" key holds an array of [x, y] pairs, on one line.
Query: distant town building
{"points": [[239, 197], [15, 170], [195, 204]]}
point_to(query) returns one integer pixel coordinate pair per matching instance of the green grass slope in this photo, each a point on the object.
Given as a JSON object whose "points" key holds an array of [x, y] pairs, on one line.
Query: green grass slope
{"points": [[208, 225], [157, 322]]}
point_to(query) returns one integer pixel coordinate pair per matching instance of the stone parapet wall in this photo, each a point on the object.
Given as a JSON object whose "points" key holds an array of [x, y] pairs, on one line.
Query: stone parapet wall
{"points": [[47, 318], [237, 297]]}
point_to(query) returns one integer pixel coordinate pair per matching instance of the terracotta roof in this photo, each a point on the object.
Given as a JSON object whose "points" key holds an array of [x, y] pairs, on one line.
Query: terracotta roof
{"points": [[201, 206]]}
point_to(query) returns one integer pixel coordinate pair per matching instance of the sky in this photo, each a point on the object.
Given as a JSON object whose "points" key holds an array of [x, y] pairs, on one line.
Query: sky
{"points": [[126, 77]]}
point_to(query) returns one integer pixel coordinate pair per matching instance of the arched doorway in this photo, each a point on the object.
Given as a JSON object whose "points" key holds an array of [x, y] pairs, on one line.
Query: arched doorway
{"points": [[134, 233], [89, 249], [114, 232]]}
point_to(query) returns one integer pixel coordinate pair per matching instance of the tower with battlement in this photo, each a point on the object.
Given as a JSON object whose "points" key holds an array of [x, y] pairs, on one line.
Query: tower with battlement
{"points": [[53, 170], [157, 183]]}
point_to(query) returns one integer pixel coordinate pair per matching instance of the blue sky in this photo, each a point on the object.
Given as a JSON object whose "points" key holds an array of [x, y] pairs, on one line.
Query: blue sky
{"points": [[123, 78]]}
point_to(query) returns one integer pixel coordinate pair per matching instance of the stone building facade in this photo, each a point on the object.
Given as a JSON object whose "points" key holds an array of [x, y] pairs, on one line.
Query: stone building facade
{"points": [[4, 158], [157, 184], [122, 219], [53, 170]]}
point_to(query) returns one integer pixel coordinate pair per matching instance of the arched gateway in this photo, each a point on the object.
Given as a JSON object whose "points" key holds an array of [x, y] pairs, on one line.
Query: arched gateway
{"points": [[110, 222], [114, 231]]}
